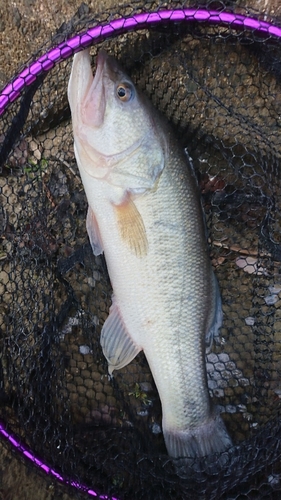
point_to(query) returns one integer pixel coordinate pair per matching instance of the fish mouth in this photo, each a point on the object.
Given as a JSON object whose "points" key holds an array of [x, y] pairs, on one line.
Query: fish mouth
{"points": [[109, 66], [106, 66], [94, 104]]}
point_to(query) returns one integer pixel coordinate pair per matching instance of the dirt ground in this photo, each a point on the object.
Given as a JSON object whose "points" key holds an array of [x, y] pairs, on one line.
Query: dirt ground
{"points": [[24, 26]]}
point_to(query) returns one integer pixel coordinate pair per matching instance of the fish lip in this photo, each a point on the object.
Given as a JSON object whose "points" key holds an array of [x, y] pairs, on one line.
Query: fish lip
{"points": [[101, 59], [109, 66], [93, 107]]}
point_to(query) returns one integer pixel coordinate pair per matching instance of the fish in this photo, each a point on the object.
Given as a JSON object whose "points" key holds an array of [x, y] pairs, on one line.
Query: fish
{"points": [[146, 216]]}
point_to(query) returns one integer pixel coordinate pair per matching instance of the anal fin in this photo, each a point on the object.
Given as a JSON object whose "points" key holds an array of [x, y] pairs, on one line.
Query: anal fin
{"points": [[117, 344]]}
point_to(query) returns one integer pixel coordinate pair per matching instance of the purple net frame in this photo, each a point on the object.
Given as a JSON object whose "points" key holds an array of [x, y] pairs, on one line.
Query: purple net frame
{"points": [[68, 48], [118, 26], [45, 468]]}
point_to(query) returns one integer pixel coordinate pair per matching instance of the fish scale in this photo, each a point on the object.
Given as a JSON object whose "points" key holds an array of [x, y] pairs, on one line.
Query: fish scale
{"points": [[145, 214]]}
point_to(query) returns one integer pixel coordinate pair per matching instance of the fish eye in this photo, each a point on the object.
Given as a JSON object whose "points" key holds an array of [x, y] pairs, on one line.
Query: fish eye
{"points": [[124, 92]]}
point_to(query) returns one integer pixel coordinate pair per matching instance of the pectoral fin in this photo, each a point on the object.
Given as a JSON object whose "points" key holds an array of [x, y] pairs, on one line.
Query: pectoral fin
{"points": [[94, 232], [131, 227], [117, 345]]}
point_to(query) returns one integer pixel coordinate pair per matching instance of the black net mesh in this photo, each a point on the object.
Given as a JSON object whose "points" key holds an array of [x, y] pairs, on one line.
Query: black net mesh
{"points": [[220, 89]]}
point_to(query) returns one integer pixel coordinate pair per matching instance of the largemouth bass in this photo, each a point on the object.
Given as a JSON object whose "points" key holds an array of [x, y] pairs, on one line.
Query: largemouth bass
{"points": [[145, 214]]}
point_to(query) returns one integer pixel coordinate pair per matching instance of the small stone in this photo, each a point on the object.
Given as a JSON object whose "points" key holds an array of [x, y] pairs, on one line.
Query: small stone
{"points": [[250, 265], [271, 299], [215, 375], [275, 289], [223, 357], [242, 408], [73, 321], [91, 282], [219, 367], [278, 392], [254, 425], [85, 349], [96, 320], [212, 385], [230, 409], [142, 413], [212, 358], [210, 367], [146, 386], [155, 428], [219, 393], [230, 366], [250, 321], [222, 384], [34, 148], [274, 479], [244, 382], [96, 275]]}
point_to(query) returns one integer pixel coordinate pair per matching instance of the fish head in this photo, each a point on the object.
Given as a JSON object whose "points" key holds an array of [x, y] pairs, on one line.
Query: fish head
{"points": [[110, 107], [115, 132]]}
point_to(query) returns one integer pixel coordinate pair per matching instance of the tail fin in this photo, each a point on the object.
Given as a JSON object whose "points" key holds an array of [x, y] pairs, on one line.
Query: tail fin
{"points": [[206, 439]]}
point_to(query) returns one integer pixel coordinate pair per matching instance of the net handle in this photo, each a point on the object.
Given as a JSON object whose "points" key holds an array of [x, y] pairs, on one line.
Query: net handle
{"points": [[122, 25]]}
